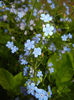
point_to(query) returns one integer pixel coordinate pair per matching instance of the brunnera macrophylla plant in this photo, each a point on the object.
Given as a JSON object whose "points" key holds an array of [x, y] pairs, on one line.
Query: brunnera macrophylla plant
{"points": [[44, 55]]}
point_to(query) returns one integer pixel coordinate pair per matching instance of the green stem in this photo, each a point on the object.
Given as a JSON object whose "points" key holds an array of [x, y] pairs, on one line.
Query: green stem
{"points": [[31, 12]]}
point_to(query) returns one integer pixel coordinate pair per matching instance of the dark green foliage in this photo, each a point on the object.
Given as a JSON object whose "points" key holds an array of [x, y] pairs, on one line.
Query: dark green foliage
{"points": [[11, 83]]}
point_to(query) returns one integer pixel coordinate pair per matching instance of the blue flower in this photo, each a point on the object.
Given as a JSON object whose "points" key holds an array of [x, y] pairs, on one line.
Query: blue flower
{"points": [[38, 82], [23, 62], [67, 49], [25, 72], [36, 39], [72, 45], [67, 11], [49, 1], [49, 91], [9, 44], [38, 35], [30, 88], [48, 30], [52, 6], [27, 53], [64, 37], [1, 3], [14, 49], [21, 14], [46, 17], [23, 90], [38, 0], [39, 74], [31, 72], [37, 51], [35, 12], [52, 47], [51, 70], [70, 36], [44, 41], [29, 44], [29, 1], [26, 9], [41, 94], [50, 64]]}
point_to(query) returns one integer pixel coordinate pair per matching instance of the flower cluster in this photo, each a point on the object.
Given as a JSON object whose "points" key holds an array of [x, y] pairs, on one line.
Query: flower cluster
{"points": [[46, 18], [48, 28], [40, 94], [29, 45], [37, 51], [12, 47], [51, 69], [65, 37], [39, 44]]}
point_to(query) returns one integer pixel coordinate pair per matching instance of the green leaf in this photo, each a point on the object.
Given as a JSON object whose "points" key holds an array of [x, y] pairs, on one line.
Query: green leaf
{"points": [[63, 71], [6, 79], [18, 81], [10, 83], [72, 59]]}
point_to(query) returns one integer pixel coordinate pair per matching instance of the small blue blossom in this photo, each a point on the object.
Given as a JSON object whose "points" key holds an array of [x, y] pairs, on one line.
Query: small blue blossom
{"points": [[67, 11], [67, 49], [26, 9], [31, 72], [52, 47], [28, 82], [39, 74], [49, 1], [23, 62], [44, 41], [29, 1], [72, 45], [27, 53], [52, 6], [23, 0], [49, 91], [38, 0], [30, 88], [23, 90], [5, 30], [70, 36], [64, 4], [25, 72], [48, 30], [36, 39], [35, 12], [29, 44], [41, 94], [64, 37], [14, 49], [50, 64], [22, 25], [21, 14], [51, 70], [9, 44], [38, 82], [46, 17], [1, 3], [38, 35], [37, 51]]}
